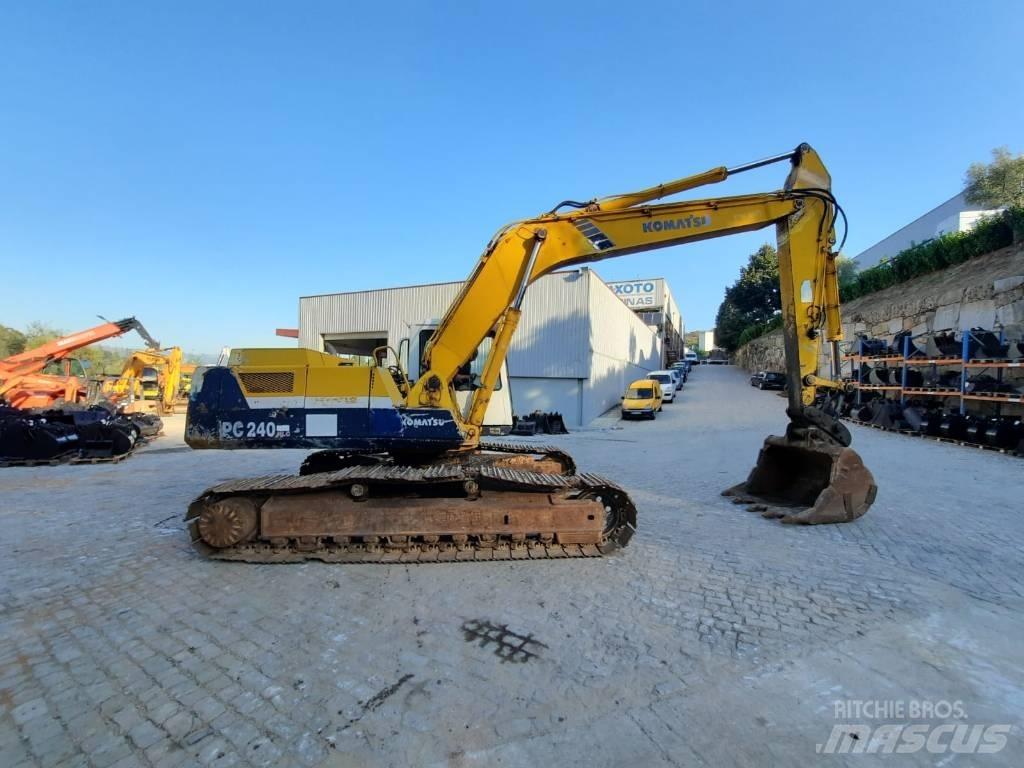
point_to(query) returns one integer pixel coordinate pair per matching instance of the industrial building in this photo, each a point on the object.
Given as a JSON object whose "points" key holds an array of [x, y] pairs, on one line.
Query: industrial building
{"points": [[705, 340], [652, 300], [954, 215], [576, 349]]}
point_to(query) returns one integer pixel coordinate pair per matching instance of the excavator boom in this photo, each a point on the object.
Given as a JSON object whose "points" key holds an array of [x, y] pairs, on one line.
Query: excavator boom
{"points": [[371, 418], [22, 383]]}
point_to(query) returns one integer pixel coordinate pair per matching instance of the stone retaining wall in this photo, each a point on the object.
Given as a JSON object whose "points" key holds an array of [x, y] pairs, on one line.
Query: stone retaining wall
{"points": [[984, 292]]}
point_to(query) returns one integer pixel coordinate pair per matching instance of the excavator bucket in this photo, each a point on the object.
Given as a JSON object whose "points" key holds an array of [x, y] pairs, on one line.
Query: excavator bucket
{"points": [[799, 480]]}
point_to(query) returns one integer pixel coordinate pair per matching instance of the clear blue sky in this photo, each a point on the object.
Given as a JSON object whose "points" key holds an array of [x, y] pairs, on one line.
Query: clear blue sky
{"points": [[202, 165]]}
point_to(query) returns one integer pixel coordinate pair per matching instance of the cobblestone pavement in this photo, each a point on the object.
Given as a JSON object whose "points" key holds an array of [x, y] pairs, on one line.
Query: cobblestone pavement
{"points": [[715, 638]]}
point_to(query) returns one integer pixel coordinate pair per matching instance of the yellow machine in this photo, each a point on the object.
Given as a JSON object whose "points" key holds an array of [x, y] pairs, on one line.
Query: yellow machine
{"points": [[149, 380], [404, 475], [187, 371]]}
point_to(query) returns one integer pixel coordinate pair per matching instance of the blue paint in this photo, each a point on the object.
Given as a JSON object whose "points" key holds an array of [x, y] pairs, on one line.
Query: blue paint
{"points": [[220, 417]]}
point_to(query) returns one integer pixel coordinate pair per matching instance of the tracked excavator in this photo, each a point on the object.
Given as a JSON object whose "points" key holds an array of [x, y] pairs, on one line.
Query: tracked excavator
{"points": [[401, 473], [150, 379]]}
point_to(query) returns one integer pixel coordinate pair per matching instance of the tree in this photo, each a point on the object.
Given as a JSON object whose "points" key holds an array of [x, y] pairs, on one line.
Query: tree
{"points": [[756, 293], [12, 341], [753, 300], [730, 322], [846, 270], [37, 334], [997, 184]]}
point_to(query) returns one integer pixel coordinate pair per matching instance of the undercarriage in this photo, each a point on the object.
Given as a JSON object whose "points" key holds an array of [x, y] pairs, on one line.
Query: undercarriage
{"points": [[489, 504]]}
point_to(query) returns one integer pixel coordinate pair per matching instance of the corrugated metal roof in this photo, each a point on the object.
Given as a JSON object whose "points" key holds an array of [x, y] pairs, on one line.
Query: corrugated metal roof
{"points": [[377, 290]]}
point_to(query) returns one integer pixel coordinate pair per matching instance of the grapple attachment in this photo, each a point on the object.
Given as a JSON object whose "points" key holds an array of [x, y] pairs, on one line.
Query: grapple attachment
{"points": [[807, 477]]}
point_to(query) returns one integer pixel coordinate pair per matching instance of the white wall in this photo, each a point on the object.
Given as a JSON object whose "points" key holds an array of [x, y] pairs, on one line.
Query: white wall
{"points": [[551, 338], [531, 394], [672, 310], [609, 380], [954, 215], [961, 221], [623, 349]]}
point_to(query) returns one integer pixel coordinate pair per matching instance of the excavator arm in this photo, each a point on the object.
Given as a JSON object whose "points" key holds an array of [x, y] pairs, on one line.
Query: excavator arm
{"points": [[803, 212]]}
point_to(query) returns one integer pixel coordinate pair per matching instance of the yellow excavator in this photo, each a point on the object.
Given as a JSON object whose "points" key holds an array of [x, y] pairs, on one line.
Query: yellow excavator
{"points": [[402, 474], [150, 379]]}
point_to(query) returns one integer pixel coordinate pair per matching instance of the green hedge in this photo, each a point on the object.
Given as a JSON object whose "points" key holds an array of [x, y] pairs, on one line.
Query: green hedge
{"points": [[988, 235], [751, 332]]}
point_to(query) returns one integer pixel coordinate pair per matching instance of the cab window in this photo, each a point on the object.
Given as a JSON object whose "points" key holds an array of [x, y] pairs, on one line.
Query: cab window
{"points": [[475, 367]]}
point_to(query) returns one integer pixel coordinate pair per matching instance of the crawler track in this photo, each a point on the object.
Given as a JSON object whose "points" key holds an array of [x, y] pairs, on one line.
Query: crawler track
{"points": [[530, 457], [464, 494]]}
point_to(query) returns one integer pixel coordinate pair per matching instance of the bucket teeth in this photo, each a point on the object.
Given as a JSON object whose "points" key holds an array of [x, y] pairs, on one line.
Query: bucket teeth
{"points": [[812, 483]]}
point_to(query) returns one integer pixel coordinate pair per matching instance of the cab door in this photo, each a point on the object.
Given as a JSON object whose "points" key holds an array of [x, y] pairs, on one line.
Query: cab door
{"points": [[498, 416]]}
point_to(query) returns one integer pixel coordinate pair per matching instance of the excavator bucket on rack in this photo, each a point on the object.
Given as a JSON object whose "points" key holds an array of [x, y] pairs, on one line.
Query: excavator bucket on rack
{"points": [[72, 433]]}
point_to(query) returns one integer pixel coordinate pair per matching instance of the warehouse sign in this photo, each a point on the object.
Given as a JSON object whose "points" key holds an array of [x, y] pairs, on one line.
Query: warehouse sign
{"points": [[640, 294]]}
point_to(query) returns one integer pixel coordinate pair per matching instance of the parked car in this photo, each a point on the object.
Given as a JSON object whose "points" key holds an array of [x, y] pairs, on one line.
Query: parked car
{"points": [[678, 377], [668, 385], [768, 380], [642, 399], [683, 367]]}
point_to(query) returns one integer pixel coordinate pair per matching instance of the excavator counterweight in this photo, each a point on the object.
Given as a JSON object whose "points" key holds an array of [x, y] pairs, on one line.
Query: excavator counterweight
{"points": [[401, 473]]}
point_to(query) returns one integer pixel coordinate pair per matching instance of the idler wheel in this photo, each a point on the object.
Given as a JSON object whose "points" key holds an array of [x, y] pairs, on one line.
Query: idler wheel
{"points": [[228, 522]]}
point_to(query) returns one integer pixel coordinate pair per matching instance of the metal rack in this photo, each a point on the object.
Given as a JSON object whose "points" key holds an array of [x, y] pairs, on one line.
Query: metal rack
{"points": [[966, 364]]}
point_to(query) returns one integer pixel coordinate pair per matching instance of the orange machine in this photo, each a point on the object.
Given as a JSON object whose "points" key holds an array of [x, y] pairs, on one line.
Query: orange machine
{"points": [[23, 383]]}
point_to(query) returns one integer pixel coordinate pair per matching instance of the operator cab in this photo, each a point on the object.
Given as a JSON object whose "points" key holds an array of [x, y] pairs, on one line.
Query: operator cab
{"points": [[498, 418]]}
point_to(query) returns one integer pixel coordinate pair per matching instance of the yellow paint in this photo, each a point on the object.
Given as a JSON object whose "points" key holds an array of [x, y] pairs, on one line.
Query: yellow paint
{"points": [[651, 403], [129, 385]]}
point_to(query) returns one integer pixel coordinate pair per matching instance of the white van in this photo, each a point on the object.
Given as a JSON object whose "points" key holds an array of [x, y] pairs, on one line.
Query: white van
{"points": [[668, 384]]}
